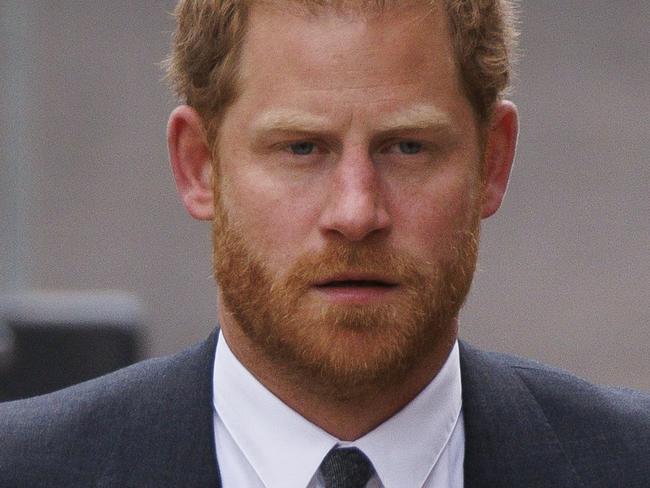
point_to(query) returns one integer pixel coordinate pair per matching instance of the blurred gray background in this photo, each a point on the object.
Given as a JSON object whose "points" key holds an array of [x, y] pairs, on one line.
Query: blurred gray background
{"points": [[87, 199]]}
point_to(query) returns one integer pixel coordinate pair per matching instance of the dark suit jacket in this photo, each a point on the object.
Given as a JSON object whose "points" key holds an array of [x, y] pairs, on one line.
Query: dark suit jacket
{"points": [[150, 425]]}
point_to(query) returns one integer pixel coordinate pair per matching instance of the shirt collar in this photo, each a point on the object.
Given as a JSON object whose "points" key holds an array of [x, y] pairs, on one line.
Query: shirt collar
{"points": [[406, 447], [285, 449]]}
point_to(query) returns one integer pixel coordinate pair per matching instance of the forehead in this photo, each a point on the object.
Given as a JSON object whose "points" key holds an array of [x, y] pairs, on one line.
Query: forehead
{"points": [[319, 45], [344, 68]]}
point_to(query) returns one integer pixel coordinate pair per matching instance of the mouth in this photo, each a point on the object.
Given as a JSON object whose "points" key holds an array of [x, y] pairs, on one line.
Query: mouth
{"points": [[356, 289], [356, 281], [356, 284]]}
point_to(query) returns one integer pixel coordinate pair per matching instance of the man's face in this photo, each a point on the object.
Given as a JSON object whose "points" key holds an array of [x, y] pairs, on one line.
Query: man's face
{"points": [[347, 193]]}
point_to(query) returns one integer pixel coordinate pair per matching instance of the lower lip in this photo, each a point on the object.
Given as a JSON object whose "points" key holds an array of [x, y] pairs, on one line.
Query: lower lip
{"points": [[355, 295]]}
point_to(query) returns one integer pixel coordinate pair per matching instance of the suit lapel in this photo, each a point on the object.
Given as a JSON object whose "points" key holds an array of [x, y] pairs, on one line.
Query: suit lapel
{"points": [[194, 447], [508, 440], [174, 444]]}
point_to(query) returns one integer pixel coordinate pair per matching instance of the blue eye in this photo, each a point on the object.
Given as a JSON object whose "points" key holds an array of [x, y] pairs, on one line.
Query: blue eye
{"points": [[410, 147], [302, 148]]}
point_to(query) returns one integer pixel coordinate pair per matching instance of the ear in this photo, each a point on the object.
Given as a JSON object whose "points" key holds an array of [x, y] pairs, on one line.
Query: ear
{"points": [[499, 155], [191, 161]]}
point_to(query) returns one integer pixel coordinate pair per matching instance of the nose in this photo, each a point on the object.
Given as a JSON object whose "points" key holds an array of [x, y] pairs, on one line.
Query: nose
{"points": [[356, 206]]}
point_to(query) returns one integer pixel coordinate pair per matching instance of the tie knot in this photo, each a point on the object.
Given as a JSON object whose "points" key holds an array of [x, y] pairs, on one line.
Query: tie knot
{"points": [[346, 467]]}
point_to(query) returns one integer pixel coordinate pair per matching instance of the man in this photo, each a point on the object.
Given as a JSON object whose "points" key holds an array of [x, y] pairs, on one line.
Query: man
{"points": [[345, 153]]}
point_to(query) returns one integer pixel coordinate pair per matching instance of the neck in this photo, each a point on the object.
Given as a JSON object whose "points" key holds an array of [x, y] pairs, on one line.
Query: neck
{"points": [[345, 418]]}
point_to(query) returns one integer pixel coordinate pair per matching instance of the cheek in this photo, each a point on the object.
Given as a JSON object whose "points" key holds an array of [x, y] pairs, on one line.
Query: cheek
{"points": [[275, 218], [428, 217]]}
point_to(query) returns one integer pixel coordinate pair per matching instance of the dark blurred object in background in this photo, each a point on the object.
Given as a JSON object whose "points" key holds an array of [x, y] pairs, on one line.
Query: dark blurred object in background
{"points": [[7, 345], [50, 340]]}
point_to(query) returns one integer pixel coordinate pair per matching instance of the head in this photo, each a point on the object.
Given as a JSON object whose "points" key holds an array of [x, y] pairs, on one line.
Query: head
{"points": [[345, 152]]}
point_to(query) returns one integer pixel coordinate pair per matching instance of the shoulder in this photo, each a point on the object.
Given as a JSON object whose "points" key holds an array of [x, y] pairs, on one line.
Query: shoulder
{"points": [[558, 390], [602, 430], [613, 421], [89, 424]]}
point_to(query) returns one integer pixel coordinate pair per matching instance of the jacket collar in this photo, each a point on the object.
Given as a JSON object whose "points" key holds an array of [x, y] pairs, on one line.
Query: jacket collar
{"points": [[508, 440]]}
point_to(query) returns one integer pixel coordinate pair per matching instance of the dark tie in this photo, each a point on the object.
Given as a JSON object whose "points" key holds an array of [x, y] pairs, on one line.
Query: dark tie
{"points": [[346, 467]]}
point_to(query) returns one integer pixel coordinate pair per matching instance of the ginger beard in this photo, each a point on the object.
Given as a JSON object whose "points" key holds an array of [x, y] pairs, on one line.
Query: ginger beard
{"points": [[338, 349]]}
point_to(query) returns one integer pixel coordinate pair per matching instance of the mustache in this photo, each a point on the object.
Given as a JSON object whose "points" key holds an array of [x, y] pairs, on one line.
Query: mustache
{"points": [[363, 258]]}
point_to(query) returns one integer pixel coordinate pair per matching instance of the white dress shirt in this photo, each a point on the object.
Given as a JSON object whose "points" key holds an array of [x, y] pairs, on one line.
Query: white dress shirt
{"points": [[263, 443]]}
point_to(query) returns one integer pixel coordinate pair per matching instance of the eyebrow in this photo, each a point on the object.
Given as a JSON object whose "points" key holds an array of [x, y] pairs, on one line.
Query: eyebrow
{"points": [[287, 120], [417, 117]]}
